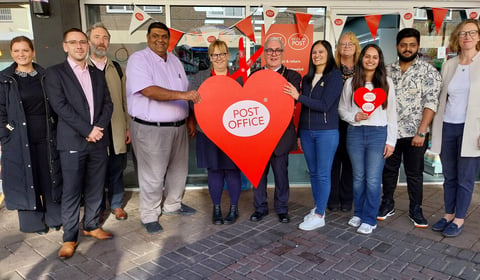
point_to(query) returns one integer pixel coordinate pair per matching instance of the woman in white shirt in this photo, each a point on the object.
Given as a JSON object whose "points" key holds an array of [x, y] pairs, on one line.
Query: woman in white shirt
{"points": [[455, 133], [370, 138]]}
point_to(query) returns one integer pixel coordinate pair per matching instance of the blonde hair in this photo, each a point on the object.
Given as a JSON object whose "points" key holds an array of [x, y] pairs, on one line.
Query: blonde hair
{"points": [[453, 43], [355, 41], [221, 45]]}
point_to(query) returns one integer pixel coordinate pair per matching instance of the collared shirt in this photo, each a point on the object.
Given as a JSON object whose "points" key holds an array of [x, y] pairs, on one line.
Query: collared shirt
{"points": [[99, 64], [83, 77], [144, 69], [416, 89]]}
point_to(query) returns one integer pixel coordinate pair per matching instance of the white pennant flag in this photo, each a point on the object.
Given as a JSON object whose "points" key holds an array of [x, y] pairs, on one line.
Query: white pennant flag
{"points": [[269, 15], [472, 13], [337, 23], [407, 18], [139, 17]]}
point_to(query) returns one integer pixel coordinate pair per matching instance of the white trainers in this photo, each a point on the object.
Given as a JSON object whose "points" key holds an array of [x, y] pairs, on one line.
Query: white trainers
{"points": [[355, 221], [312, 222], [366, 228], [310, 214]]}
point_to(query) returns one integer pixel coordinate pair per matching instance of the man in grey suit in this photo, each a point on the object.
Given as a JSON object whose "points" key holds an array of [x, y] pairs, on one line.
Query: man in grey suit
{"points": [[78, 94]]}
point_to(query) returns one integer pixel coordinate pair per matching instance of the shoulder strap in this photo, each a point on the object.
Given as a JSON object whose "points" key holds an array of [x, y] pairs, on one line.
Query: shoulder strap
{"points": [[119, 69]]}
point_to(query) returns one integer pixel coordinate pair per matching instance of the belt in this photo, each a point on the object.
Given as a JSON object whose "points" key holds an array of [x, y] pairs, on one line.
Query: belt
{"points": [[175, 124]]}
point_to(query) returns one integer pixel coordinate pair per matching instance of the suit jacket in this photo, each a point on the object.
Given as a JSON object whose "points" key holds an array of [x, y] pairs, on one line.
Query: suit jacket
{"points": [[66, 96]]}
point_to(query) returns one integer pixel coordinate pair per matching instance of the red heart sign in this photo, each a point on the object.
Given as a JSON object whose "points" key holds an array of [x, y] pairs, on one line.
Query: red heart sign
{"points": [[245, 122], [369, 100]]}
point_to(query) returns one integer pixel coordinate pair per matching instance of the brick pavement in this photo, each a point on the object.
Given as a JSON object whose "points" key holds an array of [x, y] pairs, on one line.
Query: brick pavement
{"points": [[192, 248]]}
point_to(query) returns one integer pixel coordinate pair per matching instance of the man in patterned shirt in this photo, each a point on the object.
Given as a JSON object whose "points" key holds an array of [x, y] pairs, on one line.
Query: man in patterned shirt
{"points": [[417, 87]]}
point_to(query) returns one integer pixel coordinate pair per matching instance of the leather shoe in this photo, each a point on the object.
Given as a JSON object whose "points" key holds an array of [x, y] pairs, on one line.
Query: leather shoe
{"points": [[283, 218], [67, 250], [119, 213], [257, 216], [98, 234]]}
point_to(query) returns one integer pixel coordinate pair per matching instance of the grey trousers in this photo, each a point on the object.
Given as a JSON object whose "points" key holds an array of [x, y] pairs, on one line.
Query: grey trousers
{"points": [[162, 158]]}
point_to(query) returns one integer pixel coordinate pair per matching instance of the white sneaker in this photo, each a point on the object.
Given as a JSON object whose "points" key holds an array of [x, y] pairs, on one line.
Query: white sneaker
{"points": [[355, 221], [310, 214], [313, 222], [366, 228]]}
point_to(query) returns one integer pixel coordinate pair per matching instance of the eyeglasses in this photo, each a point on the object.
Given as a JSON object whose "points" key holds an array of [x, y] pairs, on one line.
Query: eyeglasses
{"points": [[271, 51], [349, 44], [472, 33], [75, 42], [216, 56]]}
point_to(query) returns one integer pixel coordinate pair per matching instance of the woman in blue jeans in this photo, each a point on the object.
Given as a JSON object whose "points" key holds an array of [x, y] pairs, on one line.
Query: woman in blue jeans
{"points": [[370, 138], [318, 126]]}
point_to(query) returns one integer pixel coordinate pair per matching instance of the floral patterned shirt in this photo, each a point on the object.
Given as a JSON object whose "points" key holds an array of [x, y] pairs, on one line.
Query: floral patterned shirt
{"points": [[416, 89]]}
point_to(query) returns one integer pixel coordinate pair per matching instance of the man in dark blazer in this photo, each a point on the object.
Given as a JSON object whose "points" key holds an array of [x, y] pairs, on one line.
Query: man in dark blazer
{"points": [[273, 52], [78, 94]]}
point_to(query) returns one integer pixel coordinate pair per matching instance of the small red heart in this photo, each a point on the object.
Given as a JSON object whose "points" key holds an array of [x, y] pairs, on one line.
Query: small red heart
{"points": [[245, 122], [369, 100]]}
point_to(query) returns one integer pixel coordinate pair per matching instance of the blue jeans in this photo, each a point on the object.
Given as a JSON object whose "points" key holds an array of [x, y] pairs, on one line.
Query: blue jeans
{"points": [[319, 148], [459, 172], [365, 145]]}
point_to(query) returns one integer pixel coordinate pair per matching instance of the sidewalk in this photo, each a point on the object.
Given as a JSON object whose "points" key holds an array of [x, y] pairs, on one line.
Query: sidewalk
{"points": [[193, 248]]}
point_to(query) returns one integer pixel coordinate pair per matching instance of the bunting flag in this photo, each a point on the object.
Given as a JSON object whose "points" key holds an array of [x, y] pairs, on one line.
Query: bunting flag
{"points": [[139, 17], [407, 18], [245, 26], [337, 24], [175, 36], [269, 15], [373, 21], [438, 17], [302, 22], [209, 37], [472, 13]]}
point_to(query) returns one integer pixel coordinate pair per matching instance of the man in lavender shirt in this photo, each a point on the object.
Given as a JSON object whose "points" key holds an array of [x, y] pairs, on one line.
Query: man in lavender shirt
{"points": [[79, 95], [157, 101]]}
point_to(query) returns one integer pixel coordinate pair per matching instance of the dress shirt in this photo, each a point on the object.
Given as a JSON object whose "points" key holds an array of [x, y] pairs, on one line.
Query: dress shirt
{"points": [[83, 76]]}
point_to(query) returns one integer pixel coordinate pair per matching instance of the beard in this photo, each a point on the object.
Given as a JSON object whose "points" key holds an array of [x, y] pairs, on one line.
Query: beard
{"points": [[407, 58], [98, 52]]}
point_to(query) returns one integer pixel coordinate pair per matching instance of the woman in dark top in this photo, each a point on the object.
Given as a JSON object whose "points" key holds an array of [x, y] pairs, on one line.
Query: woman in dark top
{"points": [[219, 166], [30, 163], [318, 125]]}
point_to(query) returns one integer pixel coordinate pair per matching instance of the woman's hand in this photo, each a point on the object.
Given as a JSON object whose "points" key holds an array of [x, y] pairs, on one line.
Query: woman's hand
{"points": [[388, 151], [361, 116], [291, 90]]}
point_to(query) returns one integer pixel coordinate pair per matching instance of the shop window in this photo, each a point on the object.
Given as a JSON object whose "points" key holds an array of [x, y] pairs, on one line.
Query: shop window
{"points": [[122, 9], [5, 14]]}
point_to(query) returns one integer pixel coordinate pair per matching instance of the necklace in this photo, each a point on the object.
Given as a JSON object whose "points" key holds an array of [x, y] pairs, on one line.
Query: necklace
{"points": [[32, 73]]}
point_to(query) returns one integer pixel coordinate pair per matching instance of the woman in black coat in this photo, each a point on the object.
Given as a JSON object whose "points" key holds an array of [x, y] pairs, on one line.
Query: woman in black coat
{"points": [[31, 173]]}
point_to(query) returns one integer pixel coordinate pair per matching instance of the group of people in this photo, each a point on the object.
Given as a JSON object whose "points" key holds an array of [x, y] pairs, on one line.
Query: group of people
{"points": [[64, 132]]}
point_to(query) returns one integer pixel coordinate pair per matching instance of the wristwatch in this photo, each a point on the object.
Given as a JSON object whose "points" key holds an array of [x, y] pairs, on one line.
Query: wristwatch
{"points": [[420, 134]]}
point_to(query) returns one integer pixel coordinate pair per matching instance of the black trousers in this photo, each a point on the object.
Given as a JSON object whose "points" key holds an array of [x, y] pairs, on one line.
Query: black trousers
{"points": [[341, 192], [83, 175], [282, 186], [48, 212], [413, 165]]}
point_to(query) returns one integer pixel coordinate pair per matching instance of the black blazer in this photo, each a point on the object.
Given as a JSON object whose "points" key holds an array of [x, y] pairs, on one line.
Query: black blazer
{"points": [[66, 96]]}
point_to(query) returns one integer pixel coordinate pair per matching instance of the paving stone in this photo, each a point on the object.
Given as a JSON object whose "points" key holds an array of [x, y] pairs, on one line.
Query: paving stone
{"points": [[139, 273], [188, 275]]}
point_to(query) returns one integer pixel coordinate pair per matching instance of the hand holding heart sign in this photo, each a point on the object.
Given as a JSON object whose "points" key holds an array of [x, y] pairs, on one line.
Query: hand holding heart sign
{"points": [[246, 123], [369, 100]]}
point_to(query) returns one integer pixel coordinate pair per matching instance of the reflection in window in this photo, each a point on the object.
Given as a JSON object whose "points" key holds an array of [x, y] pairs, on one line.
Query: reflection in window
{"points": [[5, 14], [129, 9]]}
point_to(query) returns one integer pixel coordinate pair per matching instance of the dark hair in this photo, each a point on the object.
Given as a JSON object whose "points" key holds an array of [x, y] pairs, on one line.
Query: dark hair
{"points": [[408, 32], [379, 77], [160, 25], [331, 64], [22, 39], [73, 30]]}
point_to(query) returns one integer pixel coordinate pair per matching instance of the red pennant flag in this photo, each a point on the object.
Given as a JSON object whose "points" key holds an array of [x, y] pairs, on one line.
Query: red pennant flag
{"points": [[245, 26], [175, 36], [438, 17], [302, 22], [373, 21]]}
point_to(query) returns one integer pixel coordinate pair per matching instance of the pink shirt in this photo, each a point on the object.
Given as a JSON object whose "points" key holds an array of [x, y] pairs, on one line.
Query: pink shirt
{"points": [[83, 76], [99, 64], [145, 68]]}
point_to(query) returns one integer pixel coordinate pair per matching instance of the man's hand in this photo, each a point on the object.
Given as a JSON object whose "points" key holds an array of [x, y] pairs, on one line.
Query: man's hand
{"points": [[128, 140], [95, 135], [418, 141], [388, 151], [193, 95], [191, 126]]}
